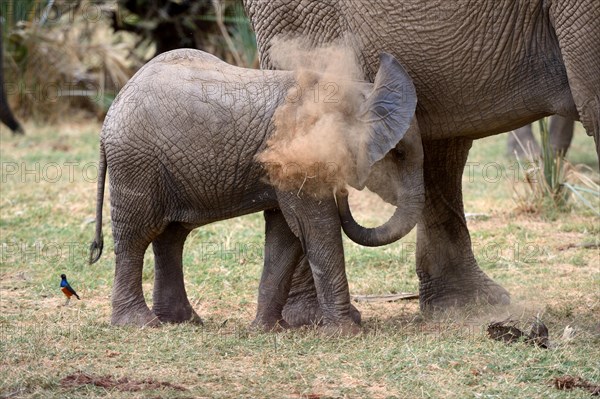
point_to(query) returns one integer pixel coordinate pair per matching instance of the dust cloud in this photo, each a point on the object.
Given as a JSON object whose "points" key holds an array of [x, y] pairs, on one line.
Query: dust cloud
{"points": [[318, 134]]}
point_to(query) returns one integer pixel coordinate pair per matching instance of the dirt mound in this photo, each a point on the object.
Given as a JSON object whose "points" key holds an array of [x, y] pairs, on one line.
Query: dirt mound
{"points": [[568, 382]]}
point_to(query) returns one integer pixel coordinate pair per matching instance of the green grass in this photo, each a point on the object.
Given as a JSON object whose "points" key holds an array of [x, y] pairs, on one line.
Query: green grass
{"points": [[45, 230]]}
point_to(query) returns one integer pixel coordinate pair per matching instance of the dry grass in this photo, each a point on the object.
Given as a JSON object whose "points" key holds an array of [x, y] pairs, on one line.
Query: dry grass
{"points": [[401, 354], [72, 62], [551, 183]]}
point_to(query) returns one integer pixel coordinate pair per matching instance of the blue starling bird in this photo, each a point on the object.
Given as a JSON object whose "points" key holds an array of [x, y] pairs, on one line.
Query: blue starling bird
{"points": [[67, 289]]}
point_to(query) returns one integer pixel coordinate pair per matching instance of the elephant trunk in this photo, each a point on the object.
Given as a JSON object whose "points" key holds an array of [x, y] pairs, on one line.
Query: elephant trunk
{"points": [[409, 201], [400, 223]]}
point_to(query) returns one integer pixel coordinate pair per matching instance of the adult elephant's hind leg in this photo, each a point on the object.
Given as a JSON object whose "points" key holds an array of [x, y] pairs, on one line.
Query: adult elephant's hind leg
{"points": [[447, 270], [170, 301]]}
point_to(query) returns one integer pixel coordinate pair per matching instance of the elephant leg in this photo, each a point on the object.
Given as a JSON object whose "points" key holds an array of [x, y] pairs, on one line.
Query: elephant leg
{"points": [[128, 304], [282, 252], [317, 225], [170, 301], [561, 134], [522, 143], [6, 115], [302, 306], [446, 267]]}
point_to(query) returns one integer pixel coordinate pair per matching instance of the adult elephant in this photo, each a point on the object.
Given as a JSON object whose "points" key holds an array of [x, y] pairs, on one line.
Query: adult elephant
{"points": [[480, 68], [6, 115], [522, 142]]}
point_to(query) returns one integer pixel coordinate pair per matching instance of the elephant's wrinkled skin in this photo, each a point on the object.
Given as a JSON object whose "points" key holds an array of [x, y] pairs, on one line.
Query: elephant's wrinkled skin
{"points": [[480, 68], [179, 143]]}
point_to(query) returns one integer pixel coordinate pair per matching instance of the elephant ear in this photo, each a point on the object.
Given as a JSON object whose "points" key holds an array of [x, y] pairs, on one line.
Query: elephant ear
{"points": [[386, 113]]}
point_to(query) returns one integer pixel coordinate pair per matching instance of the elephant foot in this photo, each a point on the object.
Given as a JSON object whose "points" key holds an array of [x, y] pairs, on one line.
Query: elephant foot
{"points": [[306, 311], [478, 289], [346, 329], [269, 320], [269, 324], [195, 319], [140, 316], [177, 314]]}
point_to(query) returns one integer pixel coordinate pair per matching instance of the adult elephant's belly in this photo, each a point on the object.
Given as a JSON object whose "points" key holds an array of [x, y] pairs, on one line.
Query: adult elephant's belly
{"points": [[483, 110]]}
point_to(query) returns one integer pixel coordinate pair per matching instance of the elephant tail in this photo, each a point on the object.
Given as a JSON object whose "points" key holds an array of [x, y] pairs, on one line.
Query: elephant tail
{"points": [[98, 243]]}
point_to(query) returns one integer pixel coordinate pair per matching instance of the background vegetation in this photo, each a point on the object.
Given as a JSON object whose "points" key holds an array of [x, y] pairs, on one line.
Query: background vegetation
{"points": [[67, 58]]}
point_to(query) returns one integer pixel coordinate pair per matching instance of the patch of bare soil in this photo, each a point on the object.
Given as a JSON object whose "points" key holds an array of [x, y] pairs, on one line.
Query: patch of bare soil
{"points": [[109, 382], [569, 382]]}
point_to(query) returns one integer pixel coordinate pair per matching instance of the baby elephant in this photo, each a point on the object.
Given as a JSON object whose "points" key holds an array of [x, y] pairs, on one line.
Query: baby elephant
{"points": [[181, 144]]}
